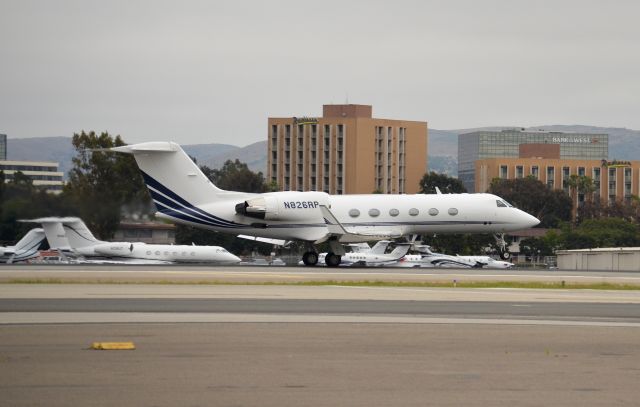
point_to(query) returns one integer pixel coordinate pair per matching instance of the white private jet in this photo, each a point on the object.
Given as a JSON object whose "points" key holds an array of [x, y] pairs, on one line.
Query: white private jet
{"points": [[487, 262], [72, 235], [427, 258], [183, 194], [365, 256], [26, 248]]}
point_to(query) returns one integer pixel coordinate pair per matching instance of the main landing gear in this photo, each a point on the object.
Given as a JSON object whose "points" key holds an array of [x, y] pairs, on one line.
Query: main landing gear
{"points": [[502, 246], [332, 259], [310, 258]]}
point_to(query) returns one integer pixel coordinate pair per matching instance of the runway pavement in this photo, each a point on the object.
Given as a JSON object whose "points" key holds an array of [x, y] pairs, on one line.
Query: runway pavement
{"points": [[258, 274], [270, 345]]}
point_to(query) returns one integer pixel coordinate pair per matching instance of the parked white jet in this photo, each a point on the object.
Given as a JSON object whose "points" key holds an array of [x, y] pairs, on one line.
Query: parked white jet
{"points": [[427, 258], [26, 248], [489, 262], [71, 234], [363, 255], [183, 194]]}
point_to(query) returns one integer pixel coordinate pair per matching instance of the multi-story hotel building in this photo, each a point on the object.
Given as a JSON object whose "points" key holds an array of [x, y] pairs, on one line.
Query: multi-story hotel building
{"points": [[347, 151], [45, 175], [480, 145]]}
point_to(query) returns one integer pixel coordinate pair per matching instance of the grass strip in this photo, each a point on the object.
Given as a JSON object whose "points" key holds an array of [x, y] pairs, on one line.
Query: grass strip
{"points": [[349, 283]]}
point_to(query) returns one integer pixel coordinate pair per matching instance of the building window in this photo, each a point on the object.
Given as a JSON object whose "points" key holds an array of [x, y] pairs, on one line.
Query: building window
{"points": [[566, 171], [504, 172], [627, 185], [612, 184], [535, 172], [519, 171], [551, 174], [596, 181]]}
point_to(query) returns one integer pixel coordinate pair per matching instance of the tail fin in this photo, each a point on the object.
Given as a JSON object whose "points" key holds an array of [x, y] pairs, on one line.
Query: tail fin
{"points": [[172, 177], [31, 241], [400, 250], [380, 247], [78, 234], [53, 231]]}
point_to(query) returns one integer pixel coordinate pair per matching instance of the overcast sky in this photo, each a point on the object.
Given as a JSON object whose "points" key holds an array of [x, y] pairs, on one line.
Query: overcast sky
{"points": [[207, 71]]}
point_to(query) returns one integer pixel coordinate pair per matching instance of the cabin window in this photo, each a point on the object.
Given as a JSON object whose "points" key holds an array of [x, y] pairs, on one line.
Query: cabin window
{"points": [[433, 211], [394, 212], [158, 253], [148, 252], [453, 211], [413, 212], [193, 253], [166, 253], [374, 212], [354, 213]]}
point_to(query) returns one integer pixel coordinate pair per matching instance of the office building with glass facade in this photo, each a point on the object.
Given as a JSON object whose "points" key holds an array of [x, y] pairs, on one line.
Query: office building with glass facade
{"points": [[482, 145], [3, 147], [44, 175]]}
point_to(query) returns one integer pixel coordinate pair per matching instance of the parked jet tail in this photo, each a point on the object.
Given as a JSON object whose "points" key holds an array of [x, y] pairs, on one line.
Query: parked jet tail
{"points": [[400, 250], [26, 247], [66, 233], [30, 241]]}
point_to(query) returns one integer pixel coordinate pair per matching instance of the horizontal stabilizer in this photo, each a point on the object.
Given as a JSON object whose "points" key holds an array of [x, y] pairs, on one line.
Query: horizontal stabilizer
{"points": [[150, 147]]}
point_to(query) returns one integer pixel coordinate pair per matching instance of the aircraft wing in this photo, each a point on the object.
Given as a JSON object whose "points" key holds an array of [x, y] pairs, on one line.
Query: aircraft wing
{"points": [[275, 242], [336, 229]]}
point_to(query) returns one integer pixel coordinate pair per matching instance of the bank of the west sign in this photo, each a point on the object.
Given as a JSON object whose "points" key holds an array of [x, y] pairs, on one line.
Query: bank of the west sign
{"points": [[586, 140]]}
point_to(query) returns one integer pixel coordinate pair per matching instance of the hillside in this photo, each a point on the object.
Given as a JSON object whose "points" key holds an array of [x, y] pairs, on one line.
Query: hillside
{"points": [[624, 144]]}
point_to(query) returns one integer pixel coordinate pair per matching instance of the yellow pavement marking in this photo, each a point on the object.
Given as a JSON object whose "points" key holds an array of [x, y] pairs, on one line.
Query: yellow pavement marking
{"points": [[113, 346]]}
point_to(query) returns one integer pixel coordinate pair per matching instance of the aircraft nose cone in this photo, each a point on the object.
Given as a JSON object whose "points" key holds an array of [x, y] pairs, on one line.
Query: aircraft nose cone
{"points": [[529, 220]]}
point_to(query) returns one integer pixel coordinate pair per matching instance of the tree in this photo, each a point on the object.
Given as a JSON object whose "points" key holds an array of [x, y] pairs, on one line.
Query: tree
{"points": [[579, 184], [604, 232], [20, 199], [446, 184], [103, 185], [467, 244], [551, 206], [236, 176]]}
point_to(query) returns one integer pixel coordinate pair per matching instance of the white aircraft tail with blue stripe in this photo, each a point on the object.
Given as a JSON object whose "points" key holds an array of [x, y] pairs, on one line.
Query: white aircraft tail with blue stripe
{"points": [[177, 185], [170, 174]]}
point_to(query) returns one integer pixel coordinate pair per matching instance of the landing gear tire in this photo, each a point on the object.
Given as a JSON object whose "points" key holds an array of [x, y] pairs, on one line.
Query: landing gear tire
{"points": [[310, 258], [505, 255], [332, 260]]}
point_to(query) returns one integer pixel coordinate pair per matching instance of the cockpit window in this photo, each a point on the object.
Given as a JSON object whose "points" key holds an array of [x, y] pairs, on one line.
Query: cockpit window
{"points": [[503, 204]]}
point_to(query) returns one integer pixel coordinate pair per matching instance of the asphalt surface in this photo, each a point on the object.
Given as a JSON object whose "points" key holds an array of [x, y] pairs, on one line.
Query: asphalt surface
{"points": [[229, 345], [255, 274], [448, 309]]}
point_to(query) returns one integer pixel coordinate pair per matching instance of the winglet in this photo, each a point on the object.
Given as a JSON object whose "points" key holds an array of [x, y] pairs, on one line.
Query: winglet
{"points": [[334, 227]]}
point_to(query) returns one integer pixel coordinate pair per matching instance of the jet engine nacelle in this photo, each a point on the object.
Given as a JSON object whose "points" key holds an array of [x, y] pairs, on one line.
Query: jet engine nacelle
{"points": [[284, 206]]}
